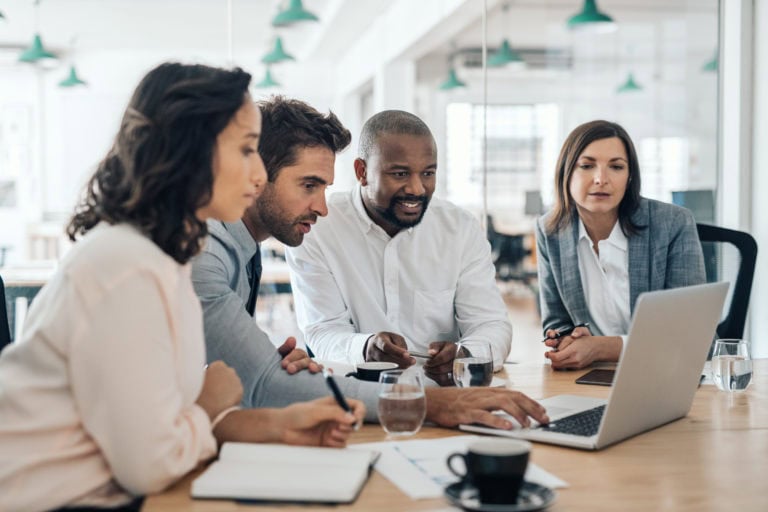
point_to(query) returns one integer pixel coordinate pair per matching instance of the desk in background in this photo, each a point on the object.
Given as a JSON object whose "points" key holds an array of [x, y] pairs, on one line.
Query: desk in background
{"points": [[714, 459]]}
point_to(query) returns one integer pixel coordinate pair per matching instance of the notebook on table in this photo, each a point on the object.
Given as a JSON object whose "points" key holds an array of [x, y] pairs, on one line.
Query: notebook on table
{"points": [[275, 472], [655, 381]]}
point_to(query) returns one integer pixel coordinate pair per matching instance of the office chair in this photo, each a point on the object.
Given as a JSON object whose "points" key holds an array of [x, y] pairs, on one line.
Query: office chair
{"points": [[5, 330], [507, 253], [713, 242]]}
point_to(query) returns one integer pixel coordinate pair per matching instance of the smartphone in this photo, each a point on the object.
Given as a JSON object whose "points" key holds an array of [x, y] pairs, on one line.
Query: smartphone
{"points": [[597, 377]]}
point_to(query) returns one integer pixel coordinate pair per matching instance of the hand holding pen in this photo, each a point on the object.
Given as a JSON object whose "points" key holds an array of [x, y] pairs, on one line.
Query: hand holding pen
{"points": [[561, 333], [337, 394]]}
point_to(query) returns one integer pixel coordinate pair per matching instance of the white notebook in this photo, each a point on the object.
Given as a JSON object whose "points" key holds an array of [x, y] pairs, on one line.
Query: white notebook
{"points": [[275, 472]]}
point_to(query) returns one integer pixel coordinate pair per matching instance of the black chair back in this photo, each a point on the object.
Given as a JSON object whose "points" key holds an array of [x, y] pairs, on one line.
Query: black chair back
{"points": [[5, 331], [713, 239]]}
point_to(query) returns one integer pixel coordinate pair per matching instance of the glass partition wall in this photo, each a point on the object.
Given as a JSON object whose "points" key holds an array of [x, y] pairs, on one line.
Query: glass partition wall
{"points": [[650, 65]]}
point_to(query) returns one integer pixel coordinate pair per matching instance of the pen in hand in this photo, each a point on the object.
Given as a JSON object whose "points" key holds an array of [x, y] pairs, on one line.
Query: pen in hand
{"points": [[337, 393], [565, 331]]}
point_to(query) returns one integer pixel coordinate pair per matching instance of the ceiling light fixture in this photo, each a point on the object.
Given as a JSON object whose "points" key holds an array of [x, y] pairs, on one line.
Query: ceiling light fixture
{"points": [[505, 55], [72, 80], [452, 82], [629, 85], [590, 18], [267, 81], [294, 13], [712, 66], [36, 53], [278, 54]]}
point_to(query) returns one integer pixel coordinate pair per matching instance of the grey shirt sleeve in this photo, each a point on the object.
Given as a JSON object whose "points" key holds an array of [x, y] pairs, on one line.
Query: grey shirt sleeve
{"points": [[231, 335]]}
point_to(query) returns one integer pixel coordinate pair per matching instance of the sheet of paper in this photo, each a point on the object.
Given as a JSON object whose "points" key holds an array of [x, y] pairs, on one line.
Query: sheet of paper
{"points": [[419, 468]]}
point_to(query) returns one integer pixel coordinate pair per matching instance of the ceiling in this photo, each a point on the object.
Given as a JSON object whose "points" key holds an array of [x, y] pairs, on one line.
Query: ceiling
{"points": [[202, 25]]}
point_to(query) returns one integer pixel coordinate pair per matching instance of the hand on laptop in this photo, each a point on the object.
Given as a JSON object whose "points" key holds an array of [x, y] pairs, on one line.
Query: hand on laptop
{"points": [[295, 359], [390, 347], [440, 365], [578, 351], [449, 407]]}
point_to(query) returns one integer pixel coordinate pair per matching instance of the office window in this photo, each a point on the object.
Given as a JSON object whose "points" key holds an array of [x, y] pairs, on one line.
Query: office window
{"points": [[521, 142]]}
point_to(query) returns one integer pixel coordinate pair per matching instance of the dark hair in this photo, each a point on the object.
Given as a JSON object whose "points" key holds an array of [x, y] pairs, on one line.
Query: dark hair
{"points": [[158, 172], [389, 121], [582, 136], [288, 125]]}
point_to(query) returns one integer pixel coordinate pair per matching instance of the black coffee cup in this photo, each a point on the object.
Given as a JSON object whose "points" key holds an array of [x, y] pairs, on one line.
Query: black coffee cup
{"points": [[495, 467], [370, 371]]}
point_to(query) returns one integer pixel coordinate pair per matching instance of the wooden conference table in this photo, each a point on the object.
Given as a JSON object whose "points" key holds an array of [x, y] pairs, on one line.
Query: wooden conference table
{"points": [[714, 459]]}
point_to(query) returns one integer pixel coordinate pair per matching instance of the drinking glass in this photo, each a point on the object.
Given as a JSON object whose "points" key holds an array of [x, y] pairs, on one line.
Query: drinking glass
{"points": [[731, 365], [402, 404], [473, 365]]}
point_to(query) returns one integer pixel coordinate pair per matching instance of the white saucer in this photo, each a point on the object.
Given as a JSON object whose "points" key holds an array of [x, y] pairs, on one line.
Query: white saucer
{"points": [[532, 497]]}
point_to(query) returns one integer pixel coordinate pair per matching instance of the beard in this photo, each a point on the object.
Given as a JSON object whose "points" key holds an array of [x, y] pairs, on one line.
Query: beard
{"points": [[278, 222], [390, 213]]}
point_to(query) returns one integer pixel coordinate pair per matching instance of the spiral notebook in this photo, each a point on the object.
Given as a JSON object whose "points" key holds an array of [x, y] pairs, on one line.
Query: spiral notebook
{"points": [[275, 472]]}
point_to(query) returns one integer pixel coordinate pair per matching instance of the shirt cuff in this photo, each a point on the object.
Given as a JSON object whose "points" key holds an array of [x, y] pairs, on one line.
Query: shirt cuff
{"points": [[356, 344], [624, 339]]}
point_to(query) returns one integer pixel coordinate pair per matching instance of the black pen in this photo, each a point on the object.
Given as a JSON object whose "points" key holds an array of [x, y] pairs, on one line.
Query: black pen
{"points": [[337, 393], [565, 331]]}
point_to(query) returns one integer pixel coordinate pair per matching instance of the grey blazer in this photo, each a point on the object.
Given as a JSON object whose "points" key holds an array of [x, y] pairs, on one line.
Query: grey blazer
{"points": [[666, 253]]}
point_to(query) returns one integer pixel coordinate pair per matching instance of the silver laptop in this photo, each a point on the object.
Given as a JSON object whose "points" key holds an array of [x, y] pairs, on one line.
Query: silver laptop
{"points": [[655, 381]]}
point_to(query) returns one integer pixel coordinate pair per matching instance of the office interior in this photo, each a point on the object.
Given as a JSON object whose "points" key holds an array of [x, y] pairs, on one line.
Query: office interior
{"points": [[499, 82]]}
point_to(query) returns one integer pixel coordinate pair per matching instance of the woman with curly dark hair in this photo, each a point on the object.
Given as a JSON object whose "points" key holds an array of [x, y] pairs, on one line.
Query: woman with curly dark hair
{"points": [[105, 398]]}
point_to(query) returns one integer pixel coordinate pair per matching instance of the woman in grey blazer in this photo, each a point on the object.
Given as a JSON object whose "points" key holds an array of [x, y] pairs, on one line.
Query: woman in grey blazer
{"points": [[603, 244]]}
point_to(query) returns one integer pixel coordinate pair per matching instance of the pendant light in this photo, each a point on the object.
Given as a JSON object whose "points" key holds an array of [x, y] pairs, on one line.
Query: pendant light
{"points": [[36, 53], [711, 66], [506, 56], [294, 13], [278, 54], [629, 85], [590, 18], [72, 80], [452, 82], [267, 81]]}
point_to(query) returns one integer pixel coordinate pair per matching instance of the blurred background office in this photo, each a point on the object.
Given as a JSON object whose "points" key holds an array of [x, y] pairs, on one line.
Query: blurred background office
{"points": [[679, 75]]}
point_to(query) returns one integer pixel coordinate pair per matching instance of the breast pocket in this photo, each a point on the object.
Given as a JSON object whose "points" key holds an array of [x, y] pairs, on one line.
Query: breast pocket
{"points": [[434, 314]]}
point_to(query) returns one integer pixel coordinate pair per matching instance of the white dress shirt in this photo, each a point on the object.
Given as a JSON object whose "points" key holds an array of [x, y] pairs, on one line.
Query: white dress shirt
{"points": [[605, 280], [432, 282], [97, 400]]}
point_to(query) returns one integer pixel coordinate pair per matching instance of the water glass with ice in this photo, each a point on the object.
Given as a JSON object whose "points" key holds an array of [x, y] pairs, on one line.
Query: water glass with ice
{"points": [[402, 404], [731, 365]]}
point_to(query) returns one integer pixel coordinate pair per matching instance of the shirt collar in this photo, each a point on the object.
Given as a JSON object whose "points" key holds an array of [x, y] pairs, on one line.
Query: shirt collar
{"points": [[616, 238], [357, 202], [245, 242]]}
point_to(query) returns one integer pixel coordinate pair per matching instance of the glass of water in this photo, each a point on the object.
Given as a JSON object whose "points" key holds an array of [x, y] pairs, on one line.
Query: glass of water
{"points": [[473, 365], [402, 404], [731, 365]]}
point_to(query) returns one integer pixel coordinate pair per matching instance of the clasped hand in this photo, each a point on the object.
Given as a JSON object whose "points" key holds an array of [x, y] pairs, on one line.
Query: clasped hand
{"points": [[580, 349]]}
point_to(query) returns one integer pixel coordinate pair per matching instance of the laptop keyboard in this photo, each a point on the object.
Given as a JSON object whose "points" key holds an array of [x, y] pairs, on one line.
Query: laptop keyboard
{"points": [[585, 423]]}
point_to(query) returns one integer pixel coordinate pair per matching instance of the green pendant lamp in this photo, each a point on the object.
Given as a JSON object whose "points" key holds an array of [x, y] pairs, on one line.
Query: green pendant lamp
{"points": [[294, 13], [278, 54], [267, 81], [36, 52], [452, 82], [506, 56], [590, 18], [72, 80], [629, 85], [712, 66]]}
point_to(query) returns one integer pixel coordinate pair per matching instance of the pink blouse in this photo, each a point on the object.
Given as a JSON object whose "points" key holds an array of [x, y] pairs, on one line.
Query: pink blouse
{"points": [[97, 400]]}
